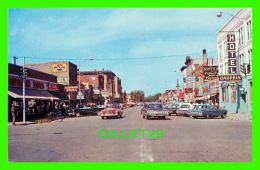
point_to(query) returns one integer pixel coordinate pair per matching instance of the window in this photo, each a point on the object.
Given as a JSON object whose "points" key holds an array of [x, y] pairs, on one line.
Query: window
{"points": [[224, 94], [234, 94], [240, 37], [250, 59], [220, 52], [249, 30]]}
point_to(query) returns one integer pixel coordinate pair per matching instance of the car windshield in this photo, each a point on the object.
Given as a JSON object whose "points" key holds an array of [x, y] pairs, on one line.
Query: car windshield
{"points": [[154, 106], [175, 106], [202, 107], [185, 106]]}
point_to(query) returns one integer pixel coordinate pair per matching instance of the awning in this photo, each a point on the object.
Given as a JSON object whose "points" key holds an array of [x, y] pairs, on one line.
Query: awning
{"points": [[31, 94], [58, 95], [196, 98]]}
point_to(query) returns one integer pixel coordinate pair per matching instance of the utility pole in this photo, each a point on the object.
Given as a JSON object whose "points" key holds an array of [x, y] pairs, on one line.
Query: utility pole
{"points": [[23, 91], [15, 58]]}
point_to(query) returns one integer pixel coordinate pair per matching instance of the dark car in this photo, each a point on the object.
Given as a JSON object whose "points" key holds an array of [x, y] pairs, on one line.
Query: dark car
{"points": [[154, 110], [207, 111]]}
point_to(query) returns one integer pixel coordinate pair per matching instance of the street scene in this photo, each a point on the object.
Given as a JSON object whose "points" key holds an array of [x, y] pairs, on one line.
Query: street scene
{"points": [[184, 140], [130, 85]]}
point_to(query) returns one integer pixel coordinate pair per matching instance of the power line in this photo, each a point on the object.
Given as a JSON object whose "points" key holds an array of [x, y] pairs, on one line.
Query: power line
{"points": [[110, 59]]}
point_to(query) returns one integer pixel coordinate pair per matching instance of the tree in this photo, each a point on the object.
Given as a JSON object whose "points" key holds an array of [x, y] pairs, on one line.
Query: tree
{"points": [[137, 96]]}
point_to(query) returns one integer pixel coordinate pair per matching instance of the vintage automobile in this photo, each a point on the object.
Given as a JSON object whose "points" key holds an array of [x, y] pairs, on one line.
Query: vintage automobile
{"points": [[112, 111], [174, 107], [207, 111], [154, 110], [184, 108]]}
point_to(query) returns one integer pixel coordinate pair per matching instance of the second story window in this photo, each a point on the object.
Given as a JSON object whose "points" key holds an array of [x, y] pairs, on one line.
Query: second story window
{"points": [[240, 36], [249, 30]]}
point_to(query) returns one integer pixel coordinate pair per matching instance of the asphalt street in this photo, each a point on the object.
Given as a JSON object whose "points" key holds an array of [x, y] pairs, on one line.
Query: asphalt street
{"points": [[185, 140]]}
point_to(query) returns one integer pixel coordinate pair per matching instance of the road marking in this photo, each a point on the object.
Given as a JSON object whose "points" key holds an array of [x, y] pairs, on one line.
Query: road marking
{"points": [[146, 151]]}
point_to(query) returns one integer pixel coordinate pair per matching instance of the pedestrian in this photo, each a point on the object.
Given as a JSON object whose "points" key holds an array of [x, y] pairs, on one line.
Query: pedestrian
{"points": [[13, 114]]}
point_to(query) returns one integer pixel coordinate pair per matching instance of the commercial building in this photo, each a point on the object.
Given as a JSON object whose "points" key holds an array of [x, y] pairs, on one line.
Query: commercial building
{"points": [[106, 85], [42, 92], [235, 63], [66, 73], [200, 79]]}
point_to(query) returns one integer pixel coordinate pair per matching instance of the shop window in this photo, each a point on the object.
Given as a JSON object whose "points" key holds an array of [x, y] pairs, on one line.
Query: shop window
{"points": [[234, 94], [224, 94]]}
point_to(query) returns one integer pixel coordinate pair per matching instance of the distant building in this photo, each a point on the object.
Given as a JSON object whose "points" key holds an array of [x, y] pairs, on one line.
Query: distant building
{"points": [[197, 87], [106, 86]]}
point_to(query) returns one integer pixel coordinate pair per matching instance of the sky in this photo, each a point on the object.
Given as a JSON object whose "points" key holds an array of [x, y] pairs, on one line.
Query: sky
{"points": [[144, 47]]}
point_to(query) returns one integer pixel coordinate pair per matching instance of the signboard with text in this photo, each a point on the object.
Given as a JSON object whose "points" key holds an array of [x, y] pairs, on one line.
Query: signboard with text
{"points": [[232, 58], [210, 72], [232, 78], [188, 90]]}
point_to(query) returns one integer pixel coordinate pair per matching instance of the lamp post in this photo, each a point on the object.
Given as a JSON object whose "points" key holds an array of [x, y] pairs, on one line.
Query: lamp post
{"points": [[79, 91]]}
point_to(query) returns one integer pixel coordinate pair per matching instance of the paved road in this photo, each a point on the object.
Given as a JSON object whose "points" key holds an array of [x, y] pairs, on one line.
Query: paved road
{"points": [[184, 140]]}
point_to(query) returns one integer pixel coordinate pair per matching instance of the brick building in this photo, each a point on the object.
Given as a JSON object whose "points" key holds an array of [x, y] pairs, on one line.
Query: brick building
{"points": [[106, 85], [42, 92]]}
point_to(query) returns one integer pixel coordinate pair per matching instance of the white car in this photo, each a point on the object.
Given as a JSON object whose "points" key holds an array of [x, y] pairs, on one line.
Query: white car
{"points": [[184, 108]]}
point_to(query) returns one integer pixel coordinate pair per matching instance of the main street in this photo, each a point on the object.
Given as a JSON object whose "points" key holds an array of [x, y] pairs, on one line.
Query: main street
{"points": [[185, 140]]}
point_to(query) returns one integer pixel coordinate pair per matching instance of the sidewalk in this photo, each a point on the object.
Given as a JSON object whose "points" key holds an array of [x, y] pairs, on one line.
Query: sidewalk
{"points": [[21, 123], [238, 116]]}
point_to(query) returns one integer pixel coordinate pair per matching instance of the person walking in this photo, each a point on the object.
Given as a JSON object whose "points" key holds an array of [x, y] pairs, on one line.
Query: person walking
{"points": [[13, 114]]}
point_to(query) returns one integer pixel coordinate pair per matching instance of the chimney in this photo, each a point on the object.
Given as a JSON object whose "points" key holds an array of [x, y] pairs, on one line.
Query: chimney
{"points": [[204, 56]]}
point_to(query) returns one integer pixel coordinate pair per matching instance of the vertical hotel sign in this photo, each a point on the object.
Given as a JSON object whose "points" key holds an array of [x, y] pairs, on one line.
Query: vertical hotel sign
{"points": [[232, 59]]}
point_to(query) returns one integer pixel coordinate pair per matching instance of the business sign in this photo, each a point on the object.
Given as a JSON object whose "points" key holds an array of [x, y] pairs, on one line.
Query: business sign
{"points": [[63, 80], [232, 58], [232, 78], [188, 90], [59, 67], [71, 88], [210, 72], [190, 79]]}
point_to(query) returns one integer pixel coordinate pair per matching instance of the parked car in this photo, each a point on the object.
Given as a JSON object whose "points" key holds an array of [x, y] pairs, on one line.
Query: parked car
{"points": [[112, 111], [174, 107], [184, 108], [154, 110], [207, 111]]}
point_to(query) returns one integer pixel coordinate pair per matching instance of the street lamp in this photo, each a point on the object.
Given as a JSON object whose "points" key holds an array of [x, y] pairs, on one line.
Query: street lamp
{"points": [[219, 15], [79, 91]]}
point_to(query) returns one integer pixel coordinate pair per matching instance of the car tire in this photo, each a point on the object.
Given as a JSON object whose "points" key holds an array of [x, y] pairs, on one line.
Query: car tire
{"points": [[163, 117], [147, 117], [224, 115], [170, 114], [194, 117], [102, 117]]}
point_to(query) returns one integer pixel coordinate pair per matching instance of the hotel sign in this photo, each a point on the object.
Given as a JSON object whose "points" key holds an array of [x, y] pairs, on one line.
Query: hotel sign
{"points": [[234, 78], [232, 58]]}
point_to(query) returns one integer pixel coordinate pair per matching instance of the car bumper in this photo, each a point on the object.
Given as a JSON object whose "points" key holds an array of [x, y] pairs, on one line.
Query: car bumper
{"points": [[109, 115]]}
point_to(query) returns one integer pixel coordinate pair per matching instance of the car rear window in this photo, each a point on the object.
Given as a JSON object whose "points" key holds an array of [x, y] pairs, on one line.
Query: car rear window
{"points": [[154, 106]]}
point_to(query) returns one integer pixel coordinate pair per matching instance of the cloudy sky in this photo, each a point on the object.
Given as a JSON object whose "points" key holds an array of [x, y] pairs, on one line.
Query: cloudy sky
{"points": [[143, 46]]}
